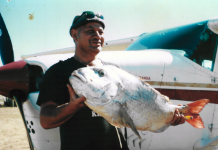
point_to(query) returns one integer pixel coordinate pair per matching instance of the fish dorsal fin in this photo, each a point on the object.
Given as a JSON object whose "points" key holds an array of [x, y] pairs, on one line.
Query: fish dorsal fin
{"points": [[122, 119]]}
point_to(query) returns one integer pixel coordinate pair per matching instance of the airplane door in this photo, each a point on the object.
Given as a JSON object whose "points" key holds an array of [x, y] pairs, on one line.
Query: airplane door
{"points": [[169, 78]]}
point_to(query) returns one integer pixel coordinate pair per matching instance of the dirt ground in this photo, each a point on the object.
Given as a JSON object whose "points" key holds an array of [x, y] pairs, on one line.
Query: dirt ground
{"points": [[12, 131]]}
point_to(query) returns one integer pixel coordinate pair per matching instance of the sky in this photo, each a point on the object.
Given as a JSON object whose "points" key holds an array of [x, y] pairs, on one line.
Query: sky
{"points": [[37, 25]]}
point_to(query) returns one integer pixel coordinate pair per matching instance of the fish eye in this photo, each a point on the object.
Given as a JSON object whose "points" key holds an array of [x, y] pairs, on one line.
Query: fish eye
{"points": [[102, 73]]}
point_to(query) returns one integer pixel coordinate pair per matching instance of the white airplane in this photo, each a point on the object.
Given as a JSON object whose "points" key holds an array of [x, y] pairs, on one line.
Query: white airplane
{"points": [[181, 63]]}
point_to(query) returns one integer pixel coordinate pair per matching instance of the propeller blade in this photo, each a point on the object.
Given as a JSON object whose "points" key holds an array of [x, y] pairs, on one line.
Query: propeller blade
{"points": [[6, 50]]}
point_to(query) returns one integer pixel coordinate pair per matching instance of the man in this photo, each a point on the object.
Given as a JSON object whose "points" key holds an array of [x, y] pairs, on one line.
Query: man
{"points": [[80, 127]]}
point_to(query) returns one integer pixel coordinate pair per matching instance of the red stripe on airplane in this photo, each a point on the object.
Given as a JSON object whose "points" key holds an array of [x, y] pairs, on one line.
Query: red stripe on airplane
{"points": [[190, 95]]}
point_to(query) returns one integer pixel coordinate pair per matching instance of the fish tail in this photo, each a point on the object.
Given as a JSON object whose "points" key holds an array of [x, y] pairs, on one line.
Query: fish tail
{"points": [[192, 116]]}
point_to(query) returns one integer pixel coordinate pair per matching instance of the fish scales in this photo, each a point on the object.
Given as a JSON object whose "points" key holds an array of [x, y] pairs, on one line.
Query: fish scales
{"points": [[126, 101], [143, 105]]}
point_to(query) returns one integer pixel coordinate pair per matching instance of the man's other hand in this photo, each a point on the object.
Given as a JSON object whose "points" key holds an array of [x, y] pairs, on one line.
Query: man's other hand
{"points": [[178, 118]]}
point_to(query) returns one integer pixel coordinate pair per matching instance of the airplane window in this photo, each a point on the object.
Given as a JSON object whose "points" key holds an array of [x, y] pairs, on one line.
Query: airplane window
{"points": [[205, 52], [207, 64]]}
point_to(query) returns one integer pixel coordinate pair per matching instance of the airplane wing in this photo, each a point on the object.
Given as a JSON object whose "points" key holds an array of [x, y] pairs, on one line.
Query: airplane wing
{"points": [[120, 44]]}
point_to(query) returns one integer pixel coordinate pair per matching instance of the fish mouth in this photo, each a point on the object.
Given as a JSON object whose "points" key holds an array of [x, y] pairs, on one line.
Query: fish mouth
{"points": [[79, 76]]}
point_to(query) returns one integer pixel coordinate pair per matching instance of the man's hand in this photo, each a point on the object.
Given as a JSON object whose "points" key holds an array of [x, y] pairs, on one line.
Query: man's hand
{"points": [[178, 118], [75, 103]]}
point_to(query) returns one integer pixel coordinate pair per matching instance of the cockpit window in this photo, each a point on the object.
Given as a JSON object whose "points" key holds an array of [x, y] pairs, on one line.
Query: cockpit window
{"points": [[205, 52], [195, 42]]}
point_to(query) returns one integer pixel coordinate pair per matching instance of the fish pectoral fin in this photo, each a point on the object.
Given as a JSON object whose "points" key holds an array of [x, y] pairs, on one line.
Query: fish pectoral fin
{"points": [[124, 120]]}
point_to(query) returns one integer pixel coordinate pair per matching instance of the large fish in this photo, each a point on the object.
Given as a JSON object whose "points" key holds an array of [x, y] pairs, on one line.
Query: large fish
{"points": [[126, 101]]}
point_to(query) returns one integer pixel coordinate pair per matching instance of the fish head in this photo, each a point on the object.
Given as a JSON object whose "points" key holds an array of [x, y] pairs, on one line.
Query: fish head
{"points": [[99, 85]]}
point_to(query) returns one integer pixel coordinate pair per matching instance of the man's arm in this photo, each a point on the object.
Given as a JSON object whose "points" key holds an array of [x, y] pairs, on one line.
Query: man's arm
{"points": [[53, 115]]}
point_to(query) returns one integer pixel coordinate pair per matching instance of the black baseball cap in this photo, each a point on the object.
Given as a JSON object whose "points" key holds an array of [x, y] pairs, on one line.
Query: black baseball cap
{"points": [[86, 17]]}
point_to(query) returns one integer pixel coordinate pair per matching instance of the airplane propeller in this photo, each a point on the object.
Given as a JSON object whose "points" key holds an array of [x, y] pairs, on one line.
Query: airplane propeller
{"points": [[6, 50]]}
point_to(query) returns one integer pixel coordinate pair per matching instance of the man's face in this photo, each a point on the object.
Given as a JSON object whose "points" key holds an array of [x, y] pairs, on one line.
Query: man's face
{"points": [[90, 38]]}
